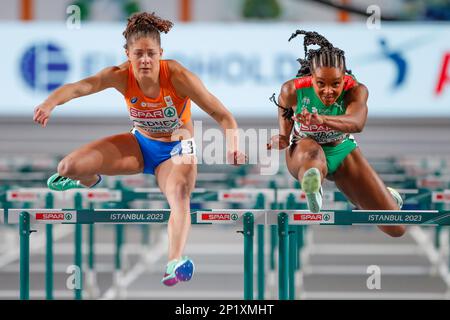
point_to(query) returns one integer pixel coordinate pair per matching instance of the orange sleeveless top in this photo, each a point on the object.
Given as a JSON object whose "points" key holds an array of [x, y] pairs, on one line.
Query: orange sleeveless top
{"points": [[164, 114]]}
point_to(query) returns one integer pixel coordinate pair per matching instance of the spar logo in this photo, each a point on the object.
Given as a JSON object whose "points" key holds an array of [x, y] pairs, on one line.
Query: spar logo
{"points": [[53, 216], [220, 217], [170, 112], [307, 217], [315, 128], [312, 218], [139, 114]]}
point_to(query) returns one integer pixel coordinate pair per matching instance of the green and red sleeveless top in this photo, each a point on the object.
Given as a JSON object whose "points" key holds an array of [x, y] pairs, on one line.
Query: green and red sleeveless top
{"points": [[307, 98]]}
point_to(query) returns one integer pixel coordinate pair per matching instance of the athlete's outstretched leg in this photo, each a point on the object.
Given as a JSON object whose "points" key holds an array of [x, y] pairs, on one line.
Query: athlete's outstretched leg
{"points": [[114, 155], [364, 188], [306, 162], [177, 180]]}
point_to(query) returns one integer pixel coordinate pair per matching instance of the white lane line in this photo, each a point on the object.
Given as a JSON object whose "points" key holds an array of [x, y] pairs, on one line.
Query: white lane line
{"points": [[99, 249], [136, 249], [118, 289], [423, 239], [192, 294], [362, 270], [37, 241], [35, 294], [364, 249], [204, 268], [441, 266], [58, 267], [348, 295]]}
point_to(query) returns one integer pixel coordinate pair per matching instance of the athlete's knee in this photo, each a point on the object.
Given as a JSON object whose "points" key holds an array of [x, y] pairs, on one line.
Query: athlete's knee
{"points": [[67, 167], [311, 154], [179, 190], [394, 231], [397, 232]]}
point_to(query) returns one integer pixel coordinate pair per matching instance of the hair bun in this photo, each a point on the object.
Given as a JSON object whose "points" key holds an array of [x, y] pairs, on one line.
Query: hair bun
{"points": [[144, 20]]}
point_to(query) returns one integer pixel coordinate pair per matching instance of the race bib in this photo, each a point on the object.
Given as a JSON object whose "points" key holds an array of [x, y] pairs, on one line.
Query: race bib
{"points": [[319, 132], [163, 120], [184, 147]]}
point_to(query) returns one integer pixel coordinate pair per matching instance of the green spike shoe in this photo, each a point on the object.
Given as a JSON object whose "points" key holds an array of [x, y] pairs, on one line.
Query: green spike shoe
{"points": [[396, 196], [311, 186], [59, 183]]}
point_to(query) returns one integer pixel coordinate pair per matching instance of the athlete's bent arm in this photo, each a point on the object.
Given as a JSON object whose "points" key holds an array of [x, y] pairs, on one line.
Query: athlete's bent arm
{"points": [[286, 100], [355, 116], [107, 78], [189, 85]]}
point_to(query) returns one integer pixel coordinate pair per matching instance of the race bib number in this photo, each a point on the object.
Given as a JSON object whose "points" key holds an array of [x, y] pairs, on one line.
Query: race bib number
{"points": [[184, 147]]}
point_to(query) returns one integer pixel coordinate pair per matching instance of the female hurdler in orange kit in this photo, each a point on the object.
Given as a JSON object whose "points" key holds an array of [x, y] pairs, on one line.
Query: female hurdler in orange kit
{"points": [[158, 95]]}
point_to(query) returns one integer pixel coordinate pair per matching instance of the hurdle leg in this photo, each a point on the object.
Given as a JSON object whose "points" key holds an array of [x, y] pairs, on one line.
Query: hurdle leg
{"points": [[248, 220], [300, 243], [292, 261], [49, 262], [78, 260], [261, 264], [437, 240], [272, 258], [78, 250], [145, 241], [24, 228], [283, 257], [49, 204], [118, 261], [91, 276], [447, 293]]}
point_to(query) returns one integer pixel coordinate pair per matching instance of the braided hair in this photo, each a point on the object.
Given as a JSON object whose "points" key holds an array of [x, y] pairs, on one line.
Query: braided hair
{"points": [[326, 56], [144, 24]]}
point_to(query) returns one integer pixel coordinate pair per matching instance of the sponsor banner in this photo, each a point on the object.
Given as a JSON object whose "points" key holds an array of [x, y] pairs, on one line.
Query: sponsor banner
{"points": [[441, 197], [24, 195], [134, 181], [432, 183], [239, 195], [300, 196], [44, 216], [258, 180], [397, 217], [131, 216], [35, 194], [307, 218], [98, 195], [218, 217], [235, 64], [231, 216]]}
